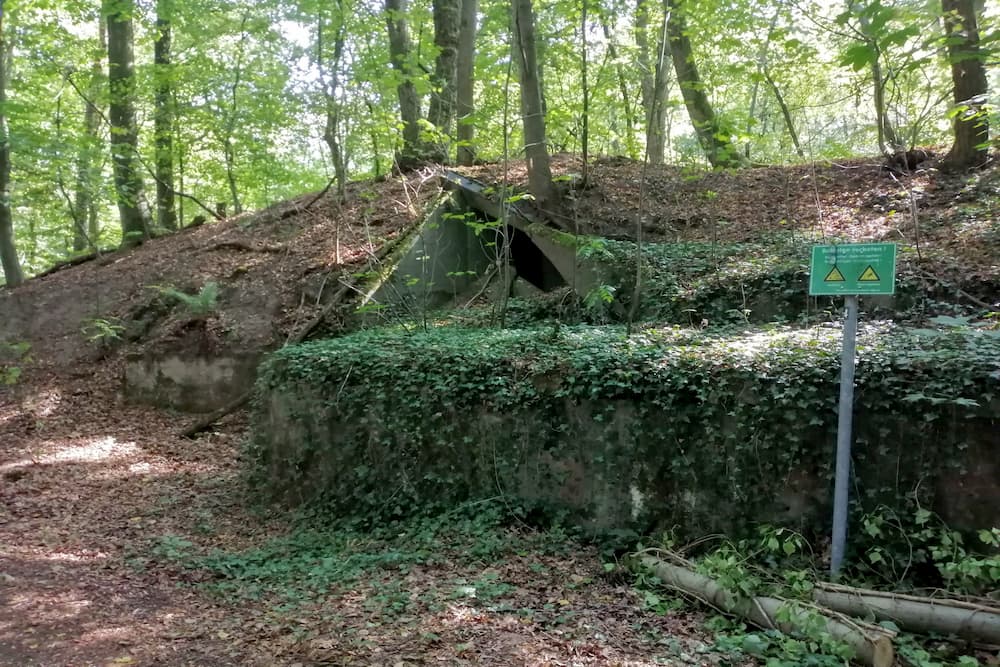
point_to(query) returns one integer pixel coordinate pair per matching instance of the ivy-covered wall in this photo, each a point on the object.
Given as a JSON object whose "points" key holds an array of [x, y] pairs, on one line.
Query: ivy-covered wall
{"points": [[669, 427]]}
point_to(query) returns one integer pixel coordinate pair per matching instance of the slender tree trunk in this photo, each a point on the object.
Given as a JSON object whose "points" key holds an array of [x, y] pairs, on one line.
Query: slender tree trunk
{"points": [[532, 115], [968, 73], [585, 89], [655, 80], [163, 117], [465, 81], [13, 275], [330, 83], [631, 146], [785, 113], [441, 114], [711, 135], [124, 130], [406, 91], [86, 229], [888, 142], [228, 146]]}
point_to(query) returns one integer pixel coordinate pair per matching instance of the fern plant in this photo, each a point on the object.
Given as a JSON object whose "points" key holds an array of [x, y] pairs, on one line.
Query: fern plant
{"points": [[201, 304]]}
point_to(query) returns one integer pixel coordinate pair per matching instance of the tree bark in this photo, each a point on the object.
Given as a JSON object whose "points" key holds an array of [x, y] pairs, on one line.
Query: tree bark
{"points": [[124, 129], [785, 113], [86, 230], [406, 91], [712, 135], [655, 82], [13, 275], [532, 115], [968, 74], [465, 75], [331, 83], [872, 644], [973, 622], [163, 117], [441, 113]]}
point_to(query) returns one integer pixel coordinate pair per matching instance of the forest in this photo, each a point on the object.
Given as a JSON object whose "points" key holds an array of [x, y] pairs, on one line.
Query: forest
{"points": [[124, 120], [505, 332]]}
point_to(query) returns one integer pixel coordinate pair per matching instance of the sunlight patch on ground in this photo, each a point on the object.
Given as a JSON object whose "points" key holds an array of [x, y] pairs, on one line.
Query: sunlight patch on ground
{"points": [[101, 449]]}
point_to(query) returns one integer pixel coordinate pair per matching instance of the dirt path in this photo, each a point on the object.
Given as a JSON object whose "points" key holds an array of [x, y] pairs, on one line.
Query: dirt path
{"points": [[94, 494]]}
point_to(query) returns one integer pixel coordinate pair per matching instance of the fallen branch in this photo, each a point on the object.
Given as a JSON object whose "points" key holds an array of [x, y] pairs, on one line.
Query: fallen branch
{"points": [[975, 622], [872, 645], [245, 247]]}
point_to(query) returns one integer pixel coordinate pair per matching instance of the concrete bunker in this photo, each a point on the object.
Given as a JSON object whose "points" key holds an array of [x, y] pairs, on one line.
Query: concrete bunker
{"points": [[457, 250]]}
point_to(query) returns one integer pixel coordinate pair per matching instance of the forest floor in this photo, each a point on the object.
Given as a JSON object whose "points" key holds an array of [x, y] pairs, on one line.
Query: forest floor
{"points": [[124, 544], [103, 511]]}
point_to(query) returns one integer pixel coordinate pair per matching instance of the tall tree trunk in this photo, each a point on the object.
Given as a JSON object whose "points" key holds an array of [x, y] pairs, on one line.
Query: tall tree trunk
{"points": [[86, 228], [124, 130], [163, 117], [631, 146], [888, 141], [331, 131], [711, 135], [785, 112], [968, 74], [585, 89], [465, 75], [406, 91], [655, 80], [532, 115], [13, 275], [228, 146], [441, 113]]}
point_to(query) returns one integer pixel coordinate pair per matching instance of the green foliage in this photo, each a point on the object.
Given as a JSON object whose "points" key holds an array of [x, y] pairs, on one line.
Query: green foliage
{"points": [[13, 356], [901, 543], [316, 556], [203, 303], [102, 331], [725, 415]]}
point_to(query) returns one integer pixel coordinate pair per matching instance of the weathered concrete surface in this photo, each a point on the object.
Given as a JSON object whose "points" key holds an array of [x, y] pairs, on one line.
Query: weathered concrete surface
{"points": [[605, 468], [189, 382]]}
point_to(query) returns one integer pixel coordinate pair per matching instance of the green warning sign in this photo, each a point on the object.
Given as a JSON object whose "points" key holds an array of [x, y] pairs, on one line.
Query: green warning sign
{"points": [[853, 268]]}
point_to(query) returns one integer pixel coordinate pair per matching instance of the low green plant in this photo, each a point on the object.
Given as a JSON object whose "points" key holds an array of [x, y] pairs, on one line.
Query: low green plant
{"points": [[901, 543], [205, 302], [102, 331], [13, 357]]}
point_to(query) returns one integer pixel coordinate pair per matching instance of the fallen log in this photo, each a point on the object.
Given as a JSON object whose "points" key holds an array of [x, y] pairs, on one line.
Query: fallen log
{"points": [[872, 645], [968, 620]]}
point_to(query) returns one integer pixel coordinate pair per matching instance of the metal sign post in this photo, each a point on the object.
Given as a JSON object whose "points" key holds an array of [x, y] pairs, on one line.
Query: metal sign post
{"points": [[848, 270], [845, 422]]}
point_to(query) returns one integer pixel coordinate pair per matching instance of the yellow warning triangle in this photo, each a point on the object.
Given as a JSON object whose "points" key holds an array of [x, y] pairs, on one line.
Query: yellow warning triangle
{"points": [[835, 276], [868, 276]]}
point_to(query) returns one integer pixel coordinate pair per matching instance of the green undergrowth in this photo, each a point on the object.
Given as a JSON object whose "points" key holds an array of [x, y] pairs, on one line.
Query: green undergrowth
{"points": [[697, 283], [709, 429], [709, 284], [319, 557], [777, 562]]}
